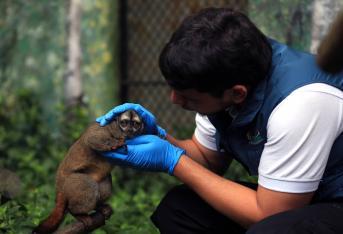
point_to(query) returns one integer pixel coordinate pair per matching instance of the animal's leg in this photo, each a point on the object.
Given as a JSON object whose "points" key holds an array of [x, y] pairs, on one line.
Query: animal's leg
{"points": [[105, 210], [105, 188], [82, 194], [96, 219], [88, 223], [87, 220]]}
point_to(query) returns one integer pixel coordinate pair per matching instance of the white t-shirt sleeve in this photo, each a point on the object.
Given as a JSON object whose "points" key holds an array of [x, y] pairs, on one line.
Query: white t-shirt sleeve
{"points": [[205, 132], [300, 133]]}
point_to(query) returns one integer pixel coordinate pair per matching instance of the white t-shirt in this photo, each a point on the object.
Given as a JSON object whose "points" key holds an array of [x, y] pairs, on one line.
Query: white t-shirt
{"points": [[300, 133]]}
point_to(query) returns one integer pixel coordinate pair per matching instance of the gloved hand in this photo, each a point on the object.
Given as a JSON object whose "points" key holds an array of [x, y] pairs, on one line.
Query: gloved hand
{"points": [[147, 152], [147, 117]]}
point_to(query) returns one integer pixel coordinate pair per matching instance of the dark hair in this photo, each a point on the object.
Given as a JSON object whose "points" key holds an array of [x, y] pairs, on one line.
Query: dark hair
{"points": [[214, 50]]}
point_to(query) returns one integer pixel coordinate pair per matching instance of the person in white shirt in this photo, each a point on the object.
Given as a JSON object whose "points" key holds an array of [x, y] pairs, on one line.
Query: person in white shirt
{"points": [[266, 105]]}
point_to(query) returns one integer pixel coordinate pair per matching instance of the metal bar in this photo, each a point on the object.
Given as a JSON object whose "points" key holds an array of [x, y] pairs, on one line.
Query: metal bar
{"points": [[123, 51]]}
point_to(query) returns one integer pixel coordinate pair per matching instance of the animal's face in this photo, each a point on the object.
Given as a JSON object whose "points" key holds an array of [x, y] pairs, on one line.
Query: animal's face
{"points": [[130, 123]]}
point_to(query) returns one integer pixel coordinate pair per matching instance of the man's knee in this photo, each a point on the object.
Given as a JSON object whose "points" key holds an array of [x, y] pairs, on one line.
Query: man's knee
{"points": [[298, 227], [276, 224], [183, 211], [165, 215], [300, 221], [267, 226]]}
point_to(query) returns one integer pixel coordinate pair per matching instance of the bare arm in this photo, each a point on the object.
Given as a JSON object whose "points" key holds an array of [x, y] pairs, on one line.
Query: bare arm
{"points": [[241, 204], [212, 160]]}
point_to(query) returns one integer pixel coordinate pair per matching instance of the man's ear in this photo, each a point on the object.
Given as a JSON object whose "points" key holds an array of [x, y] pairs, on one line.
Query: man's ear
{"points": [[237, 94]]}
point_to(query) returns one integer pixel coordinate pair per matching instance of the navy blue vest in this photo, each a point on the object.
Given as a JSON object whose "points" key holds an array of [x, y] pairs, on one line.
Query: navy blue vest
{"points": [[245, 136]]}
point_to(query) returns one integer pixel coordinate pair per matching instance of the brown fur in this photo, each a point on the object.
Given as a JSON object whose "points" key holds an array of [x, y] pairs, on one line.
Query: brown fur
{"points": [[83, 180]]}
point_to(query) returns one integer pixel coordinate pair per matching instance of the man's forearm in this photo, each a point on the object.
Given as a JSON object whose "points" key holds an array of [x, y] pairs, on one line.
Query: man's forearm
{"points": [[191, 150], [212, 163], [241, 204]]}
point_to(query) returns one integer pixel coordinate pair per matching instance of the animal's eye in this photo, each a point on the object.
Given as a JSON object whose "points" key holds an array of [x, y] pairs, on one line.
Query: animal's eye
{"points": [[124, 123], [136, 124]]}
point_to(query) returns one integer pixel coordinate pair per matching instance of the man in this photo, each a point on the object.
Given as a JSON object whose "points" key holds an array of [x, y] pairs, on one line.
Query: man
{"points": [[260, 102]]}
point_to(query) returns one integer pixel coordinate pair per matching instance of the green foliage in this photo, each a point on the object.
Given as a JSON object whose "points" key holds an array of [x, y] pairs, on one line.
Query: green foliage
{"points": [[24, 137], [136, 194], [237, 172], [288, 21], [11, 213], [28, 149]]}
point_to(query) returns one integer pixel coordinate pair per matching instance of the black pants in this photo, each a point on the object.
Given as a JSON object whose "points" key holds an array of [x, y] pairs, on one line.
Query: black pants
{"points": [[183, 211]]}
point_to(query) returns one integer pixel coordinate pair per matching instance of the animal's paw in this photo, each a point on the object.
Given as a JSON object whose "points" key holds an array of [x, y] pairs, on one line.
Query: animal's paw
{"points": [[117, 143], [105, 210]]}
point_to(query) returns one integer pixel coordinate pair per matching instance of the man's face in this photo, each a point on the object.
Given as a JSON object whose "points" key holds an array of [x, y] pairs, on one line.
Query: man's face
{"points": [[203, 103]]}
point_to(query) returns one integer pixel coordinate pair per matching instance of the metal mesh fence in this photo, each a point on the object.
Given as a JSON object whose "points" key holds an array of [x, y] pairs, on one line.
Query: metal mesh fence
{"points": [[147, 25]]}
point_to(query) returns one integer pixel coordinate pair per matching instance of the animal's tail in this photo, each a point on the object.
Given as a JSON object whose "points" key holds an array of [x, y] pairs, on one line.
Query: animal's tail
{"points": [[51, 223]]}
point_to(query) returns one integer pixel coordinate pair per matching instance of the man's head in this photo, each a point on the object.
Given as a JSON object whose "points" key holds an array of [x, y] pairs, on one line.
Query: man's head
{"points": [[214, 50]]}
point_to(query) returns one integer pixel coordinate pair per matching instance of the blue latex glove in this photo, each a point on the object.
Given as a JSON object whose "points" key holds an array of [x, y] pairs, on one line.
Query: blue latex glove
{"points": [[147, 152], [148, 118]]}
